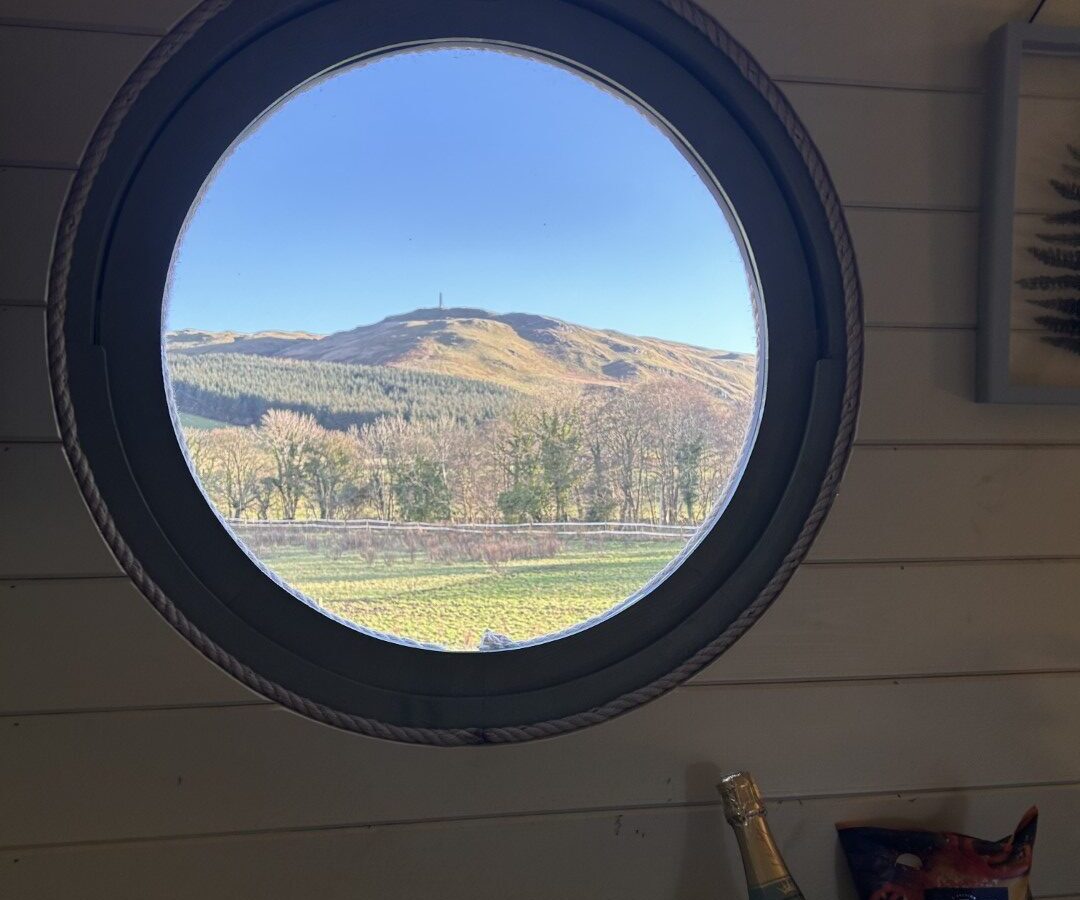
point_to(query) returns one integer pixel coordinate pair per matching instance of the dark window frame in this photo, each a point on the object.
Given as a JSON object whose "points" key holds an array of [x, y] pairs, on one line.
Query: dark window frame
{"points": [[119, 434]]}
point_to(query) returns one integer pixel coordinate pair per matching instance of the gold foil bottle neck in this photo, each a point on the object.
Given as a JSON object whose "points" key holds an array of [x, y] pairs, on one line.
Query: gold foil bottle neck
{"points": [[741, 798]]}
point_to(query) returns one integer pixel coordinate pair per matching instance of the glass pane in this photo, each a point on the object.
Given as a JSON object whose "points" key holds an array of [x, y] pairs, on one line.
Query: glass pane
{"points": [[1044, 315], [463, 348]]}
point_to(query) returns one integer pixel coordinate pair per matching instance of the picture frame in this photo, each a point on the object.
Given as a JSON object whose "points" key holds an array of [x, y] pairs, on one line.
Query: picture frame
{"points": [[1010, 364]]}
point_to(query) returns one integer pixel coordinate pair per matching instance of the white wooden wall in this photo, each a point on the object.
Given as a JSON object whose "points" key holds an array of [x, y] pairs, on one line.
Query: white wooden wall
{"points": [[924, 665]]}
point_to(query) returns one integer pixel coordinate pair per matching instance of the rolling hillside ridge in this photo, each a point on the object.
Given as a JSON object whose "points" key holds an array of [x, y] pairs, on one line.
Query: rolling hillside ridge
{"points": [[521, 351]]}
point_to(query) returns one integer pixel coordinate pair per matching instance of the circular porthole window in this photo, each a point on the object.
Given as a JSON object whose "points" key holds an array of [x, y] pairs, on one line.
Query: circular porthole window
{"points": [[463, 347], [455, 372]]}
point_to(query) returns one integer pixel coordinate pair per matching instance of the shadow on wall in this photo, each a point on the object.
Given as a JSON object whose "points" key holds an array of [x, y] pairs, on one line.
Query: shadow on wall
{"points": [[709, 854]]}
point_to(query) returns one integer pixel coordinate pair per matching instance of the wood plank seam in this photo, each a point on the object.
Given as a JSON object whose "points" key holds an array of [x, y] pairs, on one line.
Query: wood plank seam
{"points": [[786, 79], [712, 683], [959, 327], [898, 206], [41, 165], [146, 708], [23, 303], [790, 683], [974, 561], [944, 560], [978, 444], [81, 27], [793, 681], [777, 799], [882, 206], [38, 579]]}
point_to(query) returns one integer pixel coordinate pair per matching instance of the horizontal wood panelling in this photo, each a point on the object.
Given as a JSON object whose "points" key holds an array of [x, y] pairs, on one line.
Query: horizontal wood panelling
{"points": [[917, 267], [649, 854], [124, 15], [904, 148], [31, 201], [918, 43], [840, 707], [46, 528], [912, 619], [886, 147], [57, 84], [895, 503], [98, 643], [929, 43], [105, 776], [954, 503], [26, 409], [918, 387]]}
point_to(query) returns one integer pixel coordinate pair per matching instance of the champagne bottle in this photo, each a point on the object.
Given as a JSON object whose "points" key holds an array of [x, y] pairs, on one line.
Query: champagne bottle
{"points": [[767, 877]]}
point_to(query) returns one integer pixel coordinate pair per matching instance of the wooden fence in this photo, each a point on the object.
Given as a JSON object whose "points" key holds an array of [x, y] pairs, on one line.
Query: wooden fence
{"points": [[636, 530]]}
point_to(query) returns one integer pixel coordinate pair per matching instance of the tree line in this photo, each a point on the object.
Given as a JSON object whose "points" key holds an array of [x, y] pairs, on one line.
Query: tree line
{"points": [[337, 395], [660, 451]]}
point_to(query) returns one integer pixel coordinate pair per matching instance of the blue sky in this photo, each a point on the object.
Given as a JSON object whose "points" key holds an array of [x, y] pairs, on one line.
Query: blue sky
{"points": [[504, 182]]}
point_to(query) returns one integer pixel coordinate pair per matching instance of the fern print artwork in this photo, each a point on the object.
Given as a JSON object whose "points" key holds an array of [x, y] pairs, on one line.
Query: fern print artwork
{"points": [[1060, 252]]}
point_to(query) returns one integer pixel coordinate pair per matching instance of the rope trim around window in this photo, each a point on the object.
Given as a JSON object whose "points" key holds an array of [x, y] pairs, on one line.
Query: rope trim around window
{"points": [[63, 254]]}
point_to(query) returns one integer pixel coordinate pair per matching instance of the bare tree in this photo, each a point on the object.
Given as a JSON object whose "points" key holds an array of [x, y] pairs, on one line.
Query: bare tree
{"points": [[333, 466], [662, 450], [289, 439], [238, 463], [195, 448], [625, 441], [263, 501]]}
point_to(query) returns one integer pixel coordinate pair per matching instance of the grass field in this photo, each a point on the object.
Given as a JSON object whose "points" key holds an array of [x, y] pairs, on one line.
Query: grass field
{"points": [[452, 603], [190, 420]]}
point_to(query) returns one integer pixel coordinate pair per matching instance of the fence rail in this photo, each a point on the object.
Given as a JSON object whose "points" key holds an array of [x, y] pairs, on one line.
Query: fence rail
{"points": [[559, 529]]}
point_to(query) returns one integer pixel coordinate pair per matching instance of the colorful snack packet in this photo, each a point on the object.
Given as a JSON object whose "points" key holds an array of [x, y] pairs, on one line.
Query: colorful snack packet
{"points": [[890, 864]]}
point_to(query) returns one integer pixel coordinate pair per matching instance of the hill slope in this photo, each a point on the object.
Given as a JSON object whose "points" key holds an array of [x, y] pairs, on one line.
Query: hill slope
{"points": [[515, 350], [237, 389]]}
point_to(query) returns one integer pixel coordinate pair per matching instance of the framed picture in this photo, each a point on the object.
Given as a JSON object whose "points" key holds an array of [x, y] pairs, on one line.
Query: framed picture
{"points": [[1029, 292]]}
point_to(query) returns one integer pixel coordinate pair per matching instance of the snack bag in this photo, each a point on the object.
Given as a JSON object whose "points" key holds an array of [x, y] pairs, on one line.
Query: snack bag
{"points": [[889, 864]]}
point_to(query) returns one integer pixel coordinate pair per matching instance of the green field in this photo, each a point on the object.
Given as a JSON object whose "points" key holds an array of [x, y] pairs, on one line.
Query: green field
{"points": [[453, 603], [190, 420]]}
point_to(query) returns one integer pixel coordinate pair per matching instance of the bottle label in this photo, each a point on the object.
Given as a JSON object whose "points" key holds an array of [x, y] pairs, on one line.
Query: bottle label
{"points": [[786, 889]]}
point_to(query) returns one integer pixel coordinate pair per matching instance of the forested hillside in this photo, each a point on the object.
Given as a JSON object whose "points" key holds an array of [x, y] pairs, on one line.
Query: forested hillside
{"points": [[238, 389]]}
